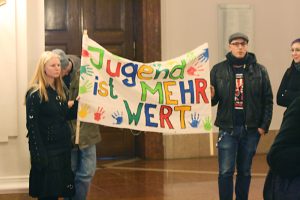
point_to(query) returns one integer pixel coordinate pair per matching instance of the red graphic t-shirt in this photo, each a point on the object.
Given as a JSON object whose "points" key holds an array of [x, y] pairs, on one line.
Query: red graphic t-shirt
{"points": [[239, 115], [239, 91]]}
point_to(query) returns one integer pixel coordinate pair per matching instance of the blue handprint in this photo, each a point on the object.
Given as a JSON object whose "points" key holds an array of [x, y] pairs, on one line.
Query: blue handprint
{"points": [[204, 56], [195, 120], [118, 117]]}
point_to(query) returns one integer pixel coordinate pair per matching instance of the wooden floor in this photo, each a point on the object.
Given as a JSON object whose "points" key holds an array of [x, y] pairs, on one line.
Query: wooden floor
{"points": [[184, 179]]}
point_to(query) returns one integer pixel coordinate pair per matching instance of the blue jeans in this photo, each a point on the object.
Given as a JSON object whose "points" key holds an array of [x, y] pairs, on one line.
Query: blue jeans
{"points": [[84, 167], [236, 149]]}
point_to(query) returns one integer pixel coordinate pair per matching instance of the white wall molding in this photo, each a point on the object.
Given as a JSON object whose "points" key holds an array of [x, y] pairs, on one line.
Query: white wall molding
{"points": [[14, 184]]}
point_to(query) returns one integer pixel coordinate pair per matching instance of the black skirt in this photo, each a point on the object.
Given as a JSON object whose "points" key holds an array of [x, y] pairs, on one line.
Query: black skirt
{"points": [[279, 188], [57, 179]]}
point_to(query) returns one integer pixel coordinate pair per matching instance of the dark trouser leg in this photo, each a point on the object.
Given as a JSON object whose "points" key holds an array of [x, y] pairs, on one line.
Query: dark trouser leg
{"points": [[227, 147], [246, 150], [84, 166]]}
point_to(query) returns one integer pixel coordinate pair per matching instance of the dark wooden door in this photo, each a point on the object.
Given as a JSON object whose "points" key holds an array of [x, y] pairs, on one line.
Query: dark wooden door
{"points": [[62, 25], [117, 25], [109, 22]]}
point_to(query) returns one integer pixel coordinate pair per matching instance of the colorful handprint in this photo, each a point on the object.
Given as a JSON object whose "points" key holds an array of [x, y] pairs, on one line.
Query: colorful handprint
{"points": [[195, 69], [198, 66], [99, 114], [118, 117], [171, 63], [85, 70], [204, 56], [195, 120], [190, 56], [85, 53], [83, 110], [207, 124], [157, 65], [86, 87]]}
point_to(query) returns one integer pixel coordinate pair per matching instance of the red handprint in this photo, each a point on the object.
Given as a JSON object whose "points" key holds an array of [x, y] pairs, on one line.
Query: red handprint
{"points": [[98, 115], [84, 53], [195, 69]]}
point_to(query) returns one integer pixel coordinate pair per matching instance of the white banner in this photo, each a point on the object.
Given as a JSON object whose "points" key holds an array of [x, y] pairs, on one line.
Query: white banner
{"points": [[170, 96]]}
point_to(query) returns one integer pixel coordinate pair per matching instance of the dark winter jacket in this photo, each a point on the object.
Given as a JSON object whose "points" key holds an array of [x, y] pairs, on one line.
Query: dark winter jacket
{"points": [[89, 133], [289, 87], [47, 125], [284, 155], [49, 145], [258, 96]]}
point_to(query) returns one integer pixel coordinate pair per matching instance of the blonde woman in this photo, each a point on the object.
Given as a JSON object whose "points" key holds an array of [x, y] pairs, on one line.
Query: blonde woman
{"points": [[283, 179], [289, 88], [49, 136]]}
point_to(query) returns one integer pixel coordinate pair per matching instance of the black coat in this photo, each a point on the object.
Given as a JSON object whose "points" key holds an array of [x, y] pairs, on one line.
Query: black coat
{"points": [[289, 87], [284, 155], [258, 96], [49, 144]]}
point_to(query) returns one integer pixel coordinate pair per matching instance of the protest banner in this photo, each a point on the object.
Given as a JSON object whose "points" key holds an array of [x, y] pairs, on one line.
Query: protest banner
{"points": [[170, 96]]}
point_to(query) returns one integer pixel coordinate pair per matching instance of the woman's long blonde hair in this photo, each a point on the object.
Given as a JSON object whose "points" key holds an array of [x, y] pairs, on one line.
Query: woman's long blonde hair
{"points": [[39, 81]]}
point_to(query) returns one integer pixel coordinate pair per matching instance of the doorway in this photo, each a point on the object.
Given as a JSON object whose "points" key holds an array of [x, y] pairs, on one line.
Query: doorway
{"points": [[128, 28]]}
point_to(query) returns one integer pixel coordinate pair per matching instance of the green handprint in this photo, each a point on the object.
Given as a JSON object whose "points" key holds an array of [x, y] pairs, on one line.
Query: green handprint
{"points": [[85, 69], [86, 87], [207, 124], [157, 65], [190, 56]]}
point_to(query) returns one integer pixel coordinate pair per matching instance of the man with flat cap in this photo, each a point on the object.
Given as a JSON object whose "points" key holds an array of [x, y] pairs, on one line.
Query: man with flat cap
{"points": [[83, 155], [242, 89]]}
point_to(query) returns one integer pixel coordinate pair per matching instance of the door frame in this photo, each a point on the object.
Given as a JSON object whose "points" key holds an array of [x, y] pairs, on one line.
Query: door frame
{"points": [[149, 145], [147, 30], [147, 48]]}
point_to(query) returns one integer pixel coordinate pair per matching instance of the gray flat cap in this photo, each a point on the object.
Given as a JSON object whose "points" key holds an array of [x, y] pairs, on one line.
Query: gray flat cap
{"points": [[238, 35]]}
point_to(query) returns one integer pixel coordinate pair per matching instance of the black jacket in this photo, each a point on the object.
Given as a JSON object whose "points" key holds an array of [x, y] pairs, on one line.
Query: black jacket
{"points": [[49, 144], [284, 155], [258, 96], [289, 87], [47, 125]]}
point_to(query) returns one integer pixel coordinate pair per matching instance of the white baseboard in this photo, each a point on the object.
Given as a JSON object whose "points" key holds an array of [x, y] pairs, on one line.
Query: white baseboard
{"points": [[14, 184]]}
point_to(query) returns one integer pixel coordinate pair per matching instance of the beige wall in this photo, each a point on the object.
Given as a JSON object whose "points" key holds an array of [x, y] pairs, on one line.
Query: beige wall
{"points": [[187, 24], [22, 41]]}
